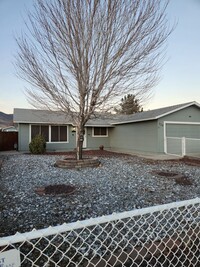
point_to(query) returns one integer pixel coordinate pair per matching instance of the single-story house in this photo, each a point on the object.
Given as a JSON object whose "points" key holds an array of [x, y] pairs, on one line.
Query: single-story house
{"points": [[173, 130]]}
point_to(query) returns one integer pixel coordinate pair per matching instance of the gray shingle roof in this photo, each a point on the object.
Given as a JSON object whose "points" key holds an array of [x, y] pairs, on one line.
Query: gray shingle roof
{"points": [[153, 114], [107, 120], [40, 116], [55, 117]]}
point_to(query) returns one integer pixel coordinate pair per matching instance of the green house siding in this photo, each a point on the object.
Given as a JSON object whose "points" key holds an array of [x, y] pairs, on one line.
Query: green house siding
{"points": [[23, 137], [91, 141], [63, 146], [94, 142], [133, 137], [24, 140]]}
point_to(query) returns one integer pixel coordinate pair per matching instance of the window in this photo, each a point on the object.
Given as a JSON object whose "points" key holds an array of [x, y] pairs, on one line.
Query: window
{"points": [[51, 133], [100, 131], [58, 133], [45, 132], [40, 129]]}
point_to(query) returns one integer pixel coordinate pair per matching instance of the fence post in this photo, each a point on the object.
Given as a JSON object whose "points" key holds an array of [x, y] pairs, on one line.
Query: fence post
{"points": [[183, 146], [165, 138]]}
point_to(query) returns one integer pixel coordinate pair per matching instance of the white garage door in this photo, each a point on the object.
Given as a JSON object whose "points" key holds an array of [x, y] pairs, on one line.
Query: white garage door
{"points": [[181, 138]]}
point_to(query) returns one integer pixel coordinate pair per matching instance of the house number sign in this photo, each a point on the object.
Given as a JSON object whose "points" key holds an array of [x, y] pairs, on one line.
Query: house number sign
{"points": [[10, 258]]}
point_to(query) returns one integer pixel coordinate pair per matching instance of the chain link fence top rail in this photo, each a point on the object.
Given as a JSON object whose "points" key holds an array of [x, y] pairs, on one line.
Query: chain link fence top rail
{"points": [[165, 235]]}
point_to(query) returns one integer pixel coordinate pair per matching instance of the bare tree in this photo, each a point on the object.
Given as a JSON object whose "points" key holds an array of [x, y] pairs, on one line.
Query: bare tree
{"points": [[81, 56]]}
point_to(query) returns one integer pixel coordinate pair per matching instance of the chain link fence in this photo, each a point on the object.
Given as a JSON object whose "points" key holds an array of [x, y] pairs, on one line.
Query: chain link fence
{"points": [[165, 235]]}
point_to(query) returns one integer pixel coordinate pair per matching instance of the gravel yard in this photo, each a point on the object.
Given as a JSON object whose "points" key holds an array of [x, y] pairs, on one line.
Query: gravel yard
{"points": [[120, 183]]}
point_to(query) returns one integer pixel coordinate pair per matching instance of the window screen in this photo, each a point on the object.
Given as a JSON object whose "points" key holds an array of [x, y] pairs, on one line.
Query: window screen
{"points": [[40, 129], [58, 133], [100, 131]]}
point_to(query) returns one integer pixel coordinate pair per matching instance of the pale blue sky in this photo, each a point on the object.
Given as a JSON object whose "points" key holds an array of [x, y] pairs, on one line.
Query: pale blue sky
{"points": [[180, 77]]}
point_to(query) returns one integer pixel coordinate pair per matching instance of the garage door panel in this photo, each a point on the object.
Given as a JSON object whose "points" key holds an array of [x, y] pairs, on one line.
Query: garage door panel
{"points": [[182, 130], [182, 139]]}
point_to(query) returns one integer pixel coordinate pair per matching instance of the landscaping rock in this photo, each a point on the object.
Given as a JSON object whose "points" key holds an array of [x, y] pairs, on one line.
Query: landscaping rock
{"points": [[119, 184]]}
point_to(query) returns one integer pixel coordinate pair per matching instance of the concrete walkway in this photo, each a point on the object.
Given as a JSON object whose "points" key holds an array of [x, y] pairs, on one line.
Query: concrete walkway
{"points": [[154, 156], [165, 156]]}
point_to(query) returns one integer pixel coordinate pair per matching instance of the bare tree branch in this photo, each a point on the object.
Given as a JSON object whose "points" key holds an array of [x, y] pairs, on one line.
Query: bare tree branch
{"points": [[82, 55]]}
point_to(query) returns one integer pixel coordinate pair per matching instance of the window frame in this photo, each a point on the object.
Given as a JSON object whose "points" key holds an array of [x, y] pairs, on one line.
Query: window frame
{"points": [[40, 131], [93, 135], [56, 142], [49, 128]]}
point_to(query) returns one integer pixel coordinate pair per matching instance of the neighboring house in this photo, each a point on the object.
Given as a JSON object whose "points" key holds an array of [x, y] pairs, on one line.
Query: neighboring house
{"points": [[9, 129], [173, 130]]}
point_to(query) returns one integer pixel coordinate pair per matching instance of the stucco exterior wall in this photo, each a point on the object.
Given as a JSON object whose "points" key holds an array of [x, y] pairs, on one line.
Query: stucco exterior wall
{"points": [[94, 142], [135, 137]]}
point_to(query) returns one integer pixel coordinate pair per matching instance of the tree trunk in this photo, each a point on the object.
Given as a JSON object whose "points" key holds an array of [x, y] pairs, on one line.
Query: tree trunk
{"points": [[79, 144], [79, 150]]}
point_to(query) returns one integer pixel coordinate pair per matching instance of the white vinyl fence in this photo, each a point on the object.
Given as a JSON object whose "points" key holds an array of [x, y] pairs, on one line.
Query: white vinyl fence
{"points": [[165, 235], [182, 146], [174, 146]]}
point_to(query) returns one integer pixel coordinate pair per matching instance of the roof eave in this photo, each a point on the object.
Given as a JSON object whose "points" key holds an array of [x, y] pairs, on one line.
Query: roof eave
{"points": [[99, 125], [39, 122], [125, 122]]}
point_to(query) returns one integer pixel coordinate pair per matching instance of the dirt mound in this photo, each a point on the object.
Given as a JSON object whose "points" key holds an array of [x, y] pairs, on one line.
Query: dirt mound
{"points": [[59, 189]]}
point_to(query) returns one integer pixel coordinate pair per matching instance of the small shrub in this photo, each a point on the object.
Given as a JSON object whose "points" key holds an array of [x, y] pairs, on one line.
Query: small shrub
{"points": [[37, 145]]}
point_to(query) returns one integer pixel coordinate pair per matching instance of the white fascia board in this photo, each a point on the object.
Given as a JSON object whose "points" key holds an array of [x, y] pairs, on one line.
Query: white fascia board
{"points": [[98, 125], [95, 125], [125, 122]]}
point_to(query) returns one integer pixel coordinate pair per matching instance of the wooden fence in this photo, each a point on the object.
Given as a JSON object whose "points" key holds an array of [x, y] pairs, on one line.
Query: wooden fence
{"points": [[8, 141]]}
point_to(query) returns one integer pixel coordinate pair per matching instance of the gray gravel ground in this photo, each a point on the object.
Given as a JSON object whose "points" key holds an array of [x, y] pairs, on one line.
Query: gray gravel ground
{"points": [[119, 184]]}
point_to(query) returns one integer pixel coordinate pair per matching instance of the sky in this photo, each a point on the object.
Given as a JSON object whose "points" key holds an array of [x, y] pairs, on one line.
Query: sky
{"points": [[180, 76]]}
